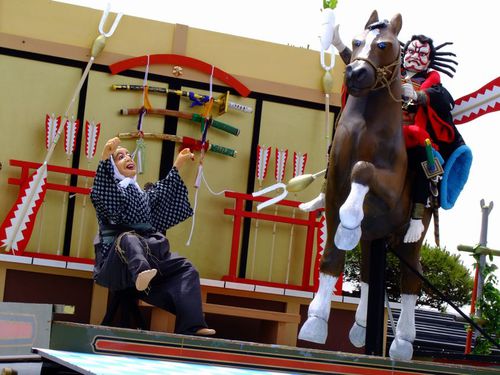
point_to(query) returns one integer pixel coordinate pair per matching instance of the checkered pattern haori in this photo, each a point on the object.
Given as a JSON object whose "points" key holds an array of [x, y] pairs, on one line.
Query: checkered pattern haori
{"points": [[163, 205]]}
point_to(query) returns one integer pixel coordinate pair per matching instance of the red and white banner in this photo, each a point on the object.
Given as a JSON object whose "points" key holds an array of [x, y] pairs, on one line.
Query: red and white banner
{"points": [[281, 158], [92, 132], [70, 133], [16, 229], [299, 163], [263, 157], [52, 125], [480, 102]]}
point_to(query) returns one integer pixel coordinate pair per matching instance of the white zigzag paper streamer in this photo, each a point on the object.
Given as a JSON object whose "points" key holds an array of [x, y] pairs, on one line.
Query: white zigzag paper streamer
{"points": [[281, 157], [299, 163], [263, 154], [91, 137], [70, 132], [21, 216]]}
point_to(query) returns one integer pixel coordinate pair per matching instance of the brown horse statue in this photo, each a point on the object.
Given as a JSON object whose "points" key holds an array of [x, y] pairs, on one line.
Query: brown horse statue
{"points": [[368, 188]]}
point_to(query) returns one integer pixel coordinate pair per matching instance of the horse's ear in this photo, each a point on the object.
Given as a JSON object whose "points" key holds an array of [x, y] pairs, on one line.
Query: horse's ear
{"points": [[373, 18], [396, 23]]}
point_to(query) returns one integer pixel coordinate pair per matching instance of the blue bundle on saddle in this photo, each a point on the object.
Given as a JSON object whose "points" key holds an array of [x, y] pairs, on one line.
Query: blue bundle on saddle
{"points": [[456, 173]]}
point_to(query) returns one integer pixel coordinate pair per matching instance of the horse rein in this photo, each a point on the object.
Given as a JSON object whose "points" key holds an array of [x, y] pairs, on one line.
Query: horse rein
{"points": [[382, 73]]}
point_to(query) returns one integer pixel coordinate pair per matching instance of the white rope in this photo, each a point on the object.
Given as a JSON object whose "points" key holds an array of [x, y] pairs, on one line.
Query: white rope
{"points": [[200, 176]]}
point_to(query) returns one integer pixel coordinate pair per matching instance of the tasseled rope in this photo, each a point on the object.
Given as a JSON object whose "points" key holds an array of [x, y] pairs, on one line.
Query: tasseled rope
{"points": [[199, 176]]}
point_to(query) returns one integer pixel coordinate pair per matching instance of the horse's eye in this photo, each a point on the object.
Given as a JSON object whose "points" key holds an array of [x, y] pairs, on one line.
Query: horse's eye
{"points": [[381, 45], [356, 42]]}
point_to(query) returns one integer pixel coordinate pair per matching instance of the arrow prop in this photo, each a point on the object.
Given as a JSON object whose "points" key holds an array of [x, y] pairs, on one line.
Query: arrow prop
{"points": [[197, 99], [192, 143], [92, 131], [185, 115], [480, 102], [17, 227]]}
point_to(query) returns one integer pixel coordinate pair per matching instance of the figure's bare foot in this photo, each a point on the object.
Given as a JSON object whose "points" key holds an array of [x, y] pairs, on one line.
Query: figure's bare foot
{"points": [[312, 205], [144, 278], [414, 231]]}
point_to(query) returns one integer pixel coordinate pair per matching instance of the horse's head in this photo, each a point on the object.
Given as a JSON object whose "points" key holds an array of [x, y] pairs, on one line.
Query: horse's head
{"points": [[375, 56]]}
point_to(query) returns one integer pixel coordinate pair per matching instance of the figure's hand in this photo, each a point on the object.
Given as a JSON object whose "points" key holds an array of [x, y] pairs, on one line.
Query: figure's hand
{"points": [[110, 147], [336, 41], [184, 155], [409, 91]]}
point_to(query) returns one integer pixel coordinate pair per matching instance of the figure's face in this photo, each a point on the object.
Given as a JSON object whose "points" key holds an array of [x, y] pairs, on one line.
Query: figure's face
{"points": [[124, 162], [417, 57]]}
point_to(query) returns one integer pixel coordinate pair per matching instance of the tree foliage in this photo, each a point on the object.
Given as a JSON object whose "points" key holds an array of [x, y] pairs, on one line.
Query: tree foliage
{"points": [[443, 270]]}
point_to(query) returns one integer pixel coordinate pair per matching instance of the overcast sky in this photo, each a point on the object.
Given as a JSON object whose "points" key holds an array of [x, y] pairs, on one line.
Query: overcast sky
{"points": [[471, 26]]}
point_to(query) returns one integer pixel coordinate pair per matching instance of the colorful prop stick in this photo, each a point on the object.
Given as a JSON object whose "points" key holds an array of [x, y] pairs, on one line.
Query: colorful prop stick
{"points": [[192, 143], [480, 102], [17, 227], [221, 101], [185, 115]]}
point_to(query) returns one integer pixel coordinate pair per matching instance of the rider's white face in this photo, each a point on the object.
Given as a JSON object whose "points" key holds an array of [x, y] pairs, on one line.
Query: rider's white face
{"points": [[124, 162], [417, 57]]}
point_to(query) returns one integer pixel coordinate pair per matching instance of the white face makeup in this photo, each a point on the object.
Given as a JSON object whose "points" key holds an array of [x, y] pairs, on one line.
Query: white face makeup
{"points": [[124, 162], [417, 56]]}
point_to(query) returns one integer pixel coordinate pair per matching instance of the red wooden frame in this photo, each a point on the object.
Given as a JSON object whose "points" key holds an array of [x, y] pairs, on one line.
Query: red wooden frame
{"points": [[312, 224]]}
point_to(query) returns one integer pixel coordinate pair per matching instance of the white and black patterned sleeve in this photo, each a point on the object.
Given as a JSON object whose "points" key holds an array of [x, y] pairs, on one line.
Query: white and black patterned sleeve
{"points": [[169, 202], [107, 198]]}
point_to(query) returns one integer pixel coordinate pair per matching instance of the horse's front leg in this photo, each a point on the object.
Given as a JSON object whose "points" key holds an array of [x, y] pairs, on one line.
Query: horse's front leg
{"points": [[351, 213]]}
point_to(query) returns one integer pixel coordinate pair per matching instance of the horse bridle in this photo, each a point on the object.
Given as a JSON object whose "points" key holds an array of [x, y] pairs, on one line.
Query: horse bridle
{"points": [[382, 73]]}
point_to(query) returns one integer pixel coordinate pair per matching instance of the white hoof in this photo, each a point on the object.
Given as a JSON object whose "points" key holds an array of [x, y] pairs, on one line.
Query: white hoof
{"points": [[357, 335], [312, 205], [347, 239], [401, 350], [314, 330]]}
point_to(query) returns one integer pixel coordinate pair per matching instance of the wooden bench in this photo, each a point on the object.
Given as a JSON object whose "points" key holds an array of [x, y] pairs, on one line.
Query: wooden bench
{"points": [[282, 326]]}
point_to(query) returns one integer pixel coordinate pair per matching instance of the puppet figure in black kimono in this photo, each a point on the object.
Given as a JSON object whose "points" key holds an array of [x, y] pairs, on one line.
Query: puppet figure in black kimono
{"points": [[132, 250], [427, 114]]}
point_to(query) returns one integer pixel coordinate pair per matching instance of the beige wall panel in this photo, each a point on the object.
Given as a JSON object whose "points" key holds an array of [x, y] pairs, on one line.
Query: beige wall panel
{"points": [[79, 26], [296, 129], [263, 60], [35, 89]]}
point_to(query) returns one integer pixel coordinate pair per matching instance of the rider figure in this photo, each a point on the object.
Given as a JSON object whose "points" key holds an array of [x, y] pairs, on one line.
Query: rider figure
{"points": [[426, 115]]}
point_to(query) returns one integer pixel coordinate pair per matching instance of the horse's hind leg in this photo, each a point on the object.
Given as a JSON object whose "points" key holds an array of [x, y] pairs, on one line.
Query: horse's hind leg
{"points": [[357, 334], [402, 345], [315, 328]]}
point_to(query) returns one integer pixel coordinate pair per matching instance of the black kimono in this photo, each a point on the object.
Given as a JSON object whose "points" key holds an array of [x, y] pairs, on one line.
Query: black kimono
{"points": [[132, 224]]}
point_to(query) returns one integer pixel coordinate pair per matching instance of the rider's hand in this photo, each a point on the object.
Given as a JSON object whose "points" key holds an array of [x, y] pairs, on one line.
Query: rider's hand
{"points": [[409, 91], [110, 147], [336, 41], [183, 156]]}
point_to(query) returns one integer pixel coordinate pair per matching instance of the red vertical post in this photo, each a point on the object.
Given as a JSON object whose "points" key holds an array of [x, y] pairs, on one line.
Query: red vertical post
{"points": [[235, 244], [311, 228], [468, 340]]}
